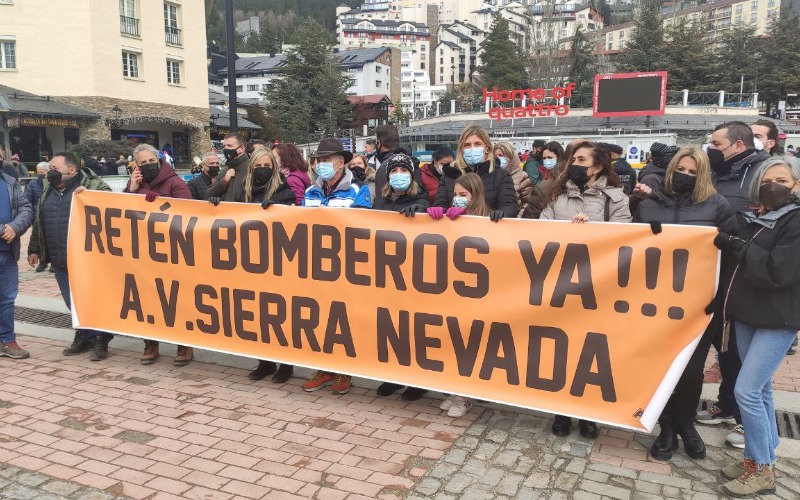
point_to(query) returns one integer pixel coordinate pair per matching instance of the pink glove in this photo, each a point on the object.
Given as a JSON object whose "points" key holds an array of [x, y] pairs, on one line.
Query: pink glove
{"points": [[436, 213], [150, 196], [454, 212]]}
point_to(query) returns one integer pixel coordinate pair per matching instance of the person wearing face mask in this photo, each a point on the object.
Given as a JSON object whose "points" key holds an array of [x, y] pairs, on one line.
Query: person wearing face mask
{"points": [[509, 160], [230, 182], [626, 173], [552, 164], [387, 143], [766, 132], [153, 177], [33, 191], [334, 187], [199, 184], [363, 174], [761, 302], [48, 241], [474, 154], [686, 197], [432, 172]]}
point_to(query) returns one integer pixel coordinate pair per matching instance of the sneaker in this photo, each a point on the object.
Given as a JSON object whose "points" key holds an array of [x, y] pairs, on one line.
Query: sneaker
{"points": [[341, 384], [736, 438], [712, 374], [756, 480], [714, 416], [447, 403], [459, 407], [319, 380], [184, 356], [792, 350], [13, 350]]}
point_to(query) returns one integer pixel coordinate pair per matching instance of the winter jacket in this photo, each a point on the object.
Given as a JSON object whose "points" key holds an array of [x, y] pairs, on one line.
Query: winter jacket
{"points": [[498, 188], [766, 286], [524, 187], [538, 196], [21, 212], [298, 181], [532, 169], [382, 177], [23, 170], [626, 173], [167, 184], [735, 185], [49, 233], [591, 202], [430, 180], [33, 192], [680, 209], [9, 169], [199, 184], [240, 165], [282, 196], [403, 201], [652, 175], [344, 194]]}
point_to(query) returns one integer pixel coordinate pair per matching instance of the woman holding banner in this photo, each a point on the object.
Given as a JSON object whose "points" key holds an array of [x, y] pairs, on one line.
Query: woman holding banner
{"points": [[587, 190], [553, 158], [474, 154], [762, 302], [509, 160], [686, 196]]}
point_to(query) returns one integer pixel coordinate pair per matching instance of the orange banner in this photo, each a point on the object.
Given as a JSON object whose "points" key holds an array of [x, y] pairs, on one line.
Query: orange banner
{"points": [[590, 320]]}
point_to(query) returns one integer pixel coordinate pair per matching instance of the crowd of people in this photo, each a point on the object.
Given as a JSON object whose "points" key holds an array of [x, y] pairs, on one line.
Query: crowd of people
{"points": [[737, 184]]}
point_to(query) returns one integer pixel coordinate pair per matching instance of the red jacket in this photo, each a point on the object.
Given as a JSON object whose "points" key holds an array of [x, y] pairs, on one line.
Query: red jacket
{"points": [[166, 184], [430, 180]]}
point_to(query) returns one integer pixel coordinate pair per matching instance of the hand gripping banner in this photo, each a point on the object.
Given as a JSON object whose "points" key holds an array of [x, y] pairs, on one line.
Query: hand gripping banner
{"points": [[592, 320]]}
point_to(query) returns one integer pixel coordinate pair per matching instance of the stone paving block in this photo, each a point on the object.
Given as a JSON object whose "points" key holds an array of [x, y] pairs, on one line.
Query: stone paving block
{"points": [[605, 489], [510, 484], [458, 483], [492, 477]]}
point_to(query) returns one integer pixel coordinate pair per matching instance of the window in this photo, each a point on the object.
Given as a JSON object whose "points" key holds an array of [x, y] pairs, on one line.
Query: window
{"points": [[252, 88], [128, 23], [770, 13], [377, 69], [378, 83], [754, 5], [622, 34], [174, 73], [753, 17], [264, 86], [739, 8], [622, 44], [771, 4], [422, 65], [130, 65], [172, 34]]}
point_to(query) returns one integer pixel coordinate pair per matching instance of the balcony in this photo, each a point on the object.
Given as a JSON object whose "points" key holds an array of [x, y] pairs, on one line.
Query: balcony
{"points": [[128, 25], [172, 35]]}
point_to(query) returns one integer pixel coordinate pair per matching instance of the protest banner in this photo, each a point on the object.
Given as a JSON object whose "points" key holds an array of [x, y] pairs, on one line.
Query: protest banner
{"points": [[590, 320]]}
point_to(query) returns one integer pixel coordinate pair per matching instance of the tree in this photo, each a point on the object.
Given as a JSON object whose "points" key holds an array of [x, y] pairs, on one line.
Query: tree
{"points": [[737, 60], [269, 130], [502, 65], [604, 8], [584, 64], [647, 40], [546, 64], [780, 54], [688, 57], [308, 100]]}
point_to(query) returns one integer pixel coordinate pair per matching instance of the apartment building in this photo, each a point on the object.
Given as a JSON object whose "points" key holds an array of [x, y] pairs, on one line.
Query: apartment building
{"points": [[137, 68]]}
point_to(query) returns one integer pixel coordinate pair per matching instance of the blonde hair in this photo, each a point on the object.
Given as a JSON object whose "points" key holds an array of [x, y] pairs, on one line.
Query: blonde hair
{"points": [[471, 130], [508, 151], [703, 187], [273, 184], [473, 184]]}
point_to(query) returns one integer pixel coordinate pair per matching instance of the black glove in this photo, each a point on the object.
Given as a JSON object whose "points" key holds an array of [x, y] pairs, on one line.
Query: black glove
{"points": [[655, 226], [266, 203], [714, 305], [725, 241], [496, 215], [214, 200], [410, 210]]}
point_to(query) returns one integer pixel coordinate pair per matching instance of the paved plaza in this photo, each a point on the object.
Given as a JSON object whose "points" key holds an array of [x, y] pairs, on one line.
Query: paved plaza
{"points": [[70, 428]]}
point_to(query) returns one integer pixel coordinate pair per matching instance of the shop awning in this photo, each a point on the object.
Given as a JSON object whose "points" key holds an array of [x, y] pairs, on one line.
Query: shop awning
{"points": [[26, 109]]}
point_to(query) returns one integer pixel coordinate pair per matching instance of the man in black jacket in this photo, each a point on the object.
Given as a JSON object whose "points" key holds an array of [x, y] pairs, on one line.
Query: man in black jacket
{"points": [[388, 142], [208, 175], [626, 173]]}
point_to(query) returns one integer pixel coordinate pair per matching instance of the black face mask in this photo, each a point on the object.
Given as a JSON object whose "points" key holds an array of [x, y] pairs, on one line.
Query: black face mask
{"points": [[40, 176], [579, 175], [774, 195], [229, 154], [54, 177], [213, 171], [359, 173], [683, 183], [261, 175], [149, 171], [717, 159]]}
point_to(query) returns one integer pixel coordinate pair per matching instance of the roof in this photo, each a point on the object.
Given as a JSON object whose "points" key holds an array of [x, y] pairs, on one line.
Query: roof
{"points": [[218, 98], [357, 58], [449, 44], [460, 36], [258, 64], [223, 119], [369, 99], [20, 102]]}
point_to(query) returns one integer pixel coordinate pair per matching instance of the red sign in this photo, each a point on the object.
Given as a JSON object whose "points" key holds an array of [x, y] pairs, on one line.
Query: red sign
{"points": [[539, 102]]}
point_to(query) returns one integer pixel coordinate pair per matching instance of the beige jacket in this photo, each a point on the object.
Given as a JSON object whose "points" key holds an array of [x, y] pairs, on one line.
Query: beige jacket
{"points": [[591, 202]]}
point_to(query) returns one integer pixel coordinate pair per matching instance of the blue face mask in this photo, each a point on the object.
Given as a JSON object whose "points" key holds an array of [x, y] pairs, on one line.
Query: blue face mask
{"points": [[473, 156], [400, 181], [549, 163], [460, 201], [325, 170], [503, 161]]}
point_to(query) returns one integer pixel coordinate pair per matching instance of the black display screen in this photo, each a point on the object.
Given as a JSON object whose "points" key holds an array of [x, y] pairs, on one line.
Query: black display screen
{"points": [[629, 95]]}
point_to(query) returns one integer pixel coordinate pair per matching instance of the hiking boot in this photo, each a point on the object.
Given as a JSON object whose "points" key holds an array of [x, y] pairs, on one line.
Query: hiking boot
{"points": [[184, 356], [319, 380], [561, 425], [714, 416], [667, 440], [756, 480], [588, 429], [13, 350], [283, 374], [80, 345], [100, 349], [388, 388], [264, 369], [150, 354], [413, 394], [735, 439], [341, 384], [692, 442], [733, 471]]}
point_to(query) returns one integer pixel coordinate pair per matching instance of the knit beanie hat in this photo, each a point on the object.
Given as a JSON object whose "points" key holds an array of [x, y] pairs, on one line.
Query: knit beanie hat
{"points": [[661, 154], [399, 160]]}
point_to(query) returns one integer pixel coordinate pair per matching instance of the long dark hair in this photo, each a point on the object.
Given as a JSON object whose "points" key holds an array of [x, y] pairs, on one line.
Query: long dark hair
{"points": [[291, 157], [600, 158]]}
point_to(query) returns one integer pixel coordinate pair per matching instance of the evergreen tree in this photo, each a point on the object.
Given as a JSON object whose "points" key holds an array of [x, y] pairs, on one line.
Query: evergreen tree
{"points": [[269, 130], [584, 64], [737, 59], [688, 57], [780, 73], [502, 65], [642, 52], [309, 99]]}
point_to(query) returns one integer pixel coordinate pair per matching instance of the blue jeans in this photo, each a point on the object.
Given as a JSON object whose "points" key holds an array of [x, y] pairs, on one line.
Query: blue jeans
{"points": [[762, 351], [9, 286], [62, 278]]}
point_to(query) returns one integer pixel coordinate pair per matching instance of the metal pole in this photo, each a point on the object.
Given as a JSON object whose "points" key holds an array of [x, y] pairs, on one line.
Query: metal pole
{"points": [[231, 43]]}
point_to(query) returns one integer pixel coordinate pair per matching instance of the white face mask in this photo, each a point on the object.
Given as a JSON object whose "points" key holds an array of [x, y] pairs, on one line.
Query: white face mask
{"points": [[758, 143]]}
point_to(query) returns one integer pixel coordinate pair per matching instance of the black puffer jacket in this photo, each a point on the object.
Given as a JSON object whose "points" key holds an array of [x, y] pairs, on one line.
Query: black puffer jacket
{"points": [[766, 287], [680, 209], [199, 184], [735, 185], [403, 201], [55, 210], [282, 196], [498, 187]]}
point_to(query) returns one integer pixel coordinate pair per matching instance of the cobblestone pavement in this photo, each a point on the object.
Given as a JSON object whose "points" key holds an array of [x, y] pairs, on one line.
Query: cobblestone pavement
{"points": [[19, 483]]}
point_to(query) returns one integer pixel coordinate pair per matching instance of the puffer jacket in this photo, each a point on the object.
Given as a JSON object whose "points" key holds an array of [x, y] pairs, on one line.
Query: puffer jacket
{"points": [[498, 187], [403, 201], [240, 165], [34, 191], [199, 185], [591, 202], [680, 209], [735, 185], [49, 233], [344, 194], [299, 181], [522, 183], [282, 196], [766, 287], [538, 196], [430, 179], [21, 212], [167, 184]]}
